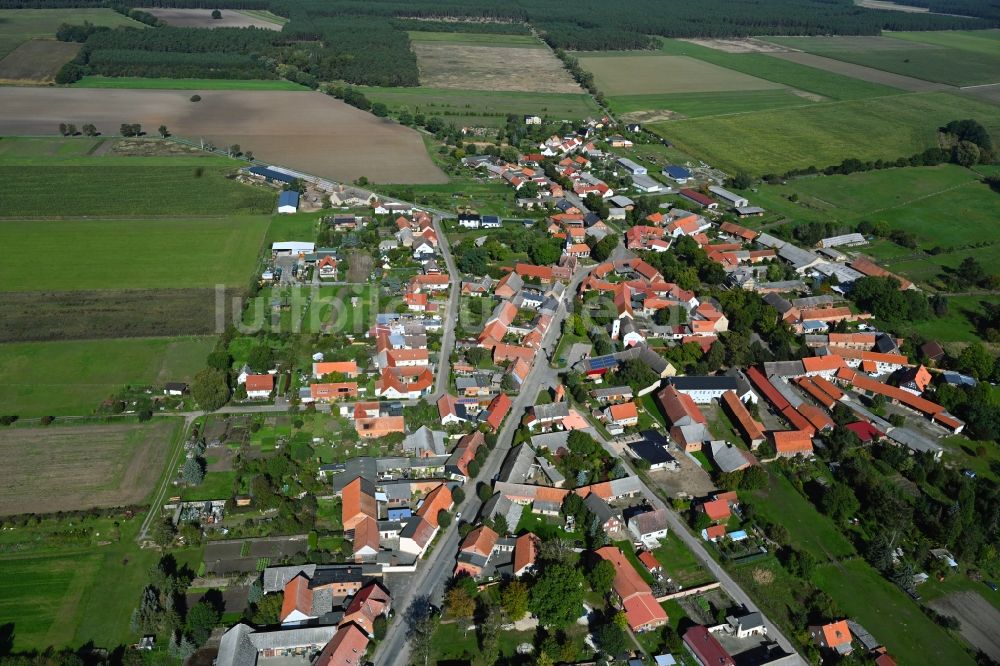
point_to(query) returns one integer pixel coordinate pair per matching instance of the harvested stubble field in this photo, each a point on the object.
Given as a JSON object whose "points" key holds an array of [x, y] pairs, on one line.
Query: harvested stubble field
{"points": [[110, 313], [311, 132], [980, 619], [72, 378], [656, 74], [202, 18], [129, 254], [78, 467], [484, 107], [488, 67], [37, 60]]}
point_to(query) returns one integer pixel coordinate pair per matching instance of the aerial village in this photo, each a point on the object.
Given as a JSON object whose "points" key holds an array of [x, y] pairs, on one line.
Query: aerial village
{"points": [[591, 403]]}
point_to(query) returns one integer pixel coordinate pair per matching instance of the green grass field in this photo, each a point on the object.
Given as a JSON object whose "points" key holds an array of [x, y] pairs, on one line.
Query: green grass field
{"points": [[137, 254], [487, 108], [20, 25], [889, 614], [776, 140], [72, 378], [628, 74], [130, 188], [913, 199], [64, 599], [962, 60], [809, 529], [476, 38], [697, 105], [185, 84], [827, 84]]}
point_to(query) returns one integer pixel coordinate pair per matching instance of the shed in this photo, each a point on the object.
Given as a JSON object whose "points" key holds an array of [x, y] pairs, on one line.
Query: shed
{"points": [[288, 202]]}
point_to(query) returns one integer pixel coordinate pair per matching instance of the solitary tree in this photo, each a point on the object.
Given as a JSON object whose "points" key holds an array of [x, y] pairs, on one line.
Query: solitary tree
{"points": [[90, 130], [210, 389], [163, 131], [63, 128], [216, 14], [201, 619], [195, 98], [234, 150], [193, 471]]}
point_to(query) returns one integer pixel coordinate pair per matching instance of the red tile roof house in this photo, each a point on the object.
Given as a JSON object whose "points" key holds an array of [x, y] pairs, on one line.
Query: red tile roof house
{"points": [[834, 636], [641, 608], [346, 648], [718, 510], [525, 554], [497, 410], [625, 414], [370, 603], [259, 386], [705, 648]]}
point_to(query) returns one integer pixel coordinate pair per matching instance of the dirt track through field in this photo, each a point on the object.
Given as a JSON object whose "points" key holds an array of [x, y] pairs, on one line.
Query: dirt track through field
{"points": [[62, 468], [861, 72], [980, 619], [202, 18], [308, 131]]}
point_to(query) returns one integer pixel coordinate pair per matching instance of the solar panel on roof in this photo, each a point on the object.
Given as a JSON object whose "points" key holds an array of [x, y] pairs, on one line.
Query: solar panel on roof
{"points": [[602, 362]]}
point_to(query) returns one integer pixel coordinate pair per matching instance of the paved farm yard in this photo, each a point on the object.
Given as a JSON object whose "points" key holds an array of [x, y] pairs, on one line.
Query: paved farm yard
{"points": [[72, 378], [651, 74], [308, 131], [37, 60], [475, 67], [59, 468]]}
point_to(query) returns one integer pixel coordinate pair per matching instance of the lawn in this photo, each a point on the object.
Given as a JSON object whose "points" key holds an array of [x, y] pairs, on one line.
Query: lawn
{"points": [[334, 309], [777, 140], [20, 25], [140, 83], [463, 191], [959, 325], [778, 594], [483, 107], [217, 485], [808, 528], [135, 254], [888, 614], [72, 378], [679, 562], [961, 61], [128, 186]]}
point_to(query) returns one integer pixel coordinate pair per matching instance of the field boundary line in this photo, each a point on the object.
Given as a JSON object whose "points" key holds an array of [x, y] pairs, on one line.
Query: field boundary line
{"points": [[156, 501]]}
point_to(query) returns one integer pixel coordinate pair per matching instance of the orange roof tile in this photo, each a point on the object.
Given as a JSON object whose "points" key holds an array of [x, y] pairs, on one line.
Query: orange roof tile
{"points": [[436, 501], [717, 509], [625, 411], [790, 442]]}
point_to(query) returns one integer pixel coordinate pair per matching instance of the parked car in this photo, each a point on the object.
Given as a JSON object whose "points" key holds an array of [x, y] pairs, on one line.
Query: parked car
{"points": [[993, 586]]}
